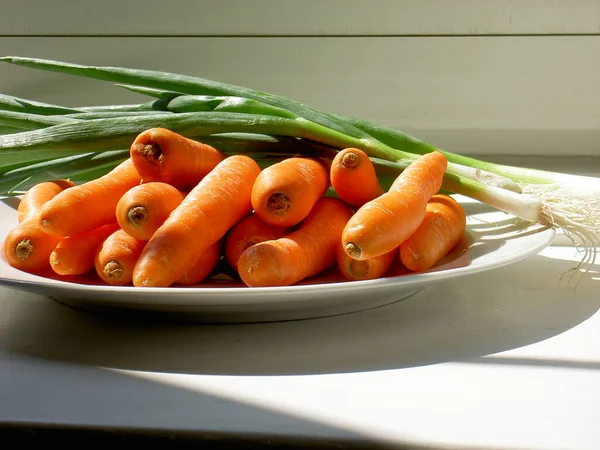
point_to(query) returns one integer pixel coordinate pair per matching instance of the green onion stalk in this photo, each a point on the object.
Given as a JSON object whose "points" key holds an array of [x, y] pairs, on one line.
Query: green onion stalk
{"points": [[39, 133]]}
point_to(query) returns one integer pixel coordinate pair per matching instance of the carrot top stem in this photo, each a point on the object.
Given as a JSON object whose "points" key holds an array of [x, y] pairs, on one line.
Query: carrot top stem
{"points": [[138, 215], [278, 204], [116, 133], [152, 151], [350, 160], [24, 249], [353, 250], [113, 270]]}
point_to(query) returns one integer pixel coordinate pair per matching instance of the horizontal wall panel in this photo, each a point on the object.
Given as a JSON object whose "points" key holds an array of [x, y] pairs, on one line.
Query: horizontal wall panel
{"points": [[293, 18], [493, 95]]}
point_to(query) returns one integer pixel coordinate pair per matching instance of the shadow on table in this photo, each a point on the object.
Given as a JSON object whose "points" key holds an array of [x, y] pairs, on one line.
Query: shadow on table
{"points": [[109, 407], [451, 321]]}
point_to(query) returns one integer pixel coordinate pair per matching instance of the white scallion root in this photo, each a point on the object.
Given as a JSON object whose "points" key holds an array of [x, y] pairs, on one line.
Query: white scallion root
{"points": [[577, 215]]}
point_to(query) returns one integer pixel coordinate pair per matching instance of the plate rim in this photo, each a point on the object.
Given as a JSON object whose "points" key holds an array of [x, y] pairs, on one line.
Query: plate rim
{"points": [[545, 237]]}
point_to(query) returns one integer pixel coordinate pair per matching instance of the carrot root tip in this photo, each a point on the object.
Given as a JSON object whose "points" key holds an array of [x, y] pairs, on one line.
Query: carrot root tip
{"points": [[24, 249], [278, 204], [358, 268], [353, 250], [113, 270], [152, 152], [138, 215], [350, 160]]}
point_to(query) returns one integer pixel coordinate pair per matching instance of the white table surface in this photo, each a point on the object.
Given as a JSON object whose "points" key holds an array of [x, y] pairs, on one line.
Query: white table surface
{"points": [[508, 359]]}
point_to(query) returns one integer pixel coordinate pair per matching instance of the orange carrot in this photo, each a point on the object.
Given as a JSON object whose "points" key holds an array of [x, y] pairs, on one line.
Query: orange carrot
{"points": [[284, 193], [382, 224], [27, 247], [302, 253], [74, 255], [162, 155], [442, 228], [88, 205], [353, 177], [246, 233], [145, 207], [368, 269], [211, 208], [39, 194], [116, 257], [202, 267]]}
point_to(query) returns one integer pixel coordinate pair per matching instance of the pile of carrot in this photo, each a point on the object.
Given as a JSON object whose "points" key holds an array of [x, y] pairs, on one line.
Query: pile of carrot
{"points": [[177, 209]]}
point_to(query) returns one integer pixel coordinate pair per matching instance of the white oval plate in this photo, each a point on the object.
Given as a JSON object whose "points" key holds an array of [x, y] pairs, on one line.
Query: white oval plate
{"points": [[493, 239]]}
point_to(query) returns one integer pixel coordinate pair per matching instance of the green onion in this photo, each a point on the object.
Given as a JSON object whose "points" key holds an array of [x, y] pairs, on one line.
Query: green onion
{"points": [[203, 103], [403, 141], [26, 121], [188, 85], [132, 108], [10, 103], [89, 115], [21, 179], [196, 103], [114, 133], [264, 144], [9, 130], [151, 92]]}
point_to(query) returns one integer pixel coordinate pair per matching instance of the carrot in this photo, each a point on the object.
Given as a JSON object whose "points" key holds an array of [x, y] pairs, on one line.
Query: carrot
{"points": [[144, 208], [27, 247], [37, 195], [246, 233], [74, 255], [88, 205], [353, 177], [368, 269], [387, 221], [305, 252], [116, 256], [211, 208], [284, 193], [442, 228], [203, 265], [163, 155]]}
